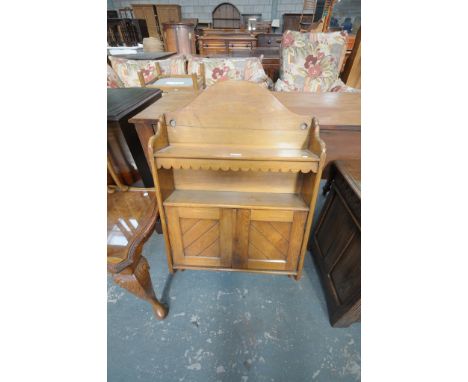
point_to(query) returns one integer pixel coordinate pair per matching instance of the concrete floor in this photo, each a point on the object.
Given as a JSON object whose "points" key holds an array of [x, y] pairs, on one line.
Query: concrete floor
{"points": [[226, 326]]}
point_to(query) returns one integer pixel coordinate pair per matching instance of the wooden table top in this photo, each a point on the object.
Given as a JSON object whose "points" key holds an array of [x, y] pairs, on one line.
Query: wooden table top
{"points": [[351, 171], [141, 55], [127, 213], [343, 109], [123, 101]]}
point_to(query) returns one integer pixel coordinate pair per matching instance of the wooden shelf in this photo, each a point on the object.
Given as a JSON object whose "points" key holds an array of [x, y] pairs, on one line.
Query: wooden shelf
{"points": [[235, 153], [236, 158], [227, 199]]}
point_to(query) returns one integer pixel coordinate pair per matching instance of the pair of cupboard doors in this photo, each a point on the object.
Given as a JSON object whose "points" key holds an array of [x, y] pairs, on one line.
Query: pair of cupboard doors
{"points": [[237, 238]]}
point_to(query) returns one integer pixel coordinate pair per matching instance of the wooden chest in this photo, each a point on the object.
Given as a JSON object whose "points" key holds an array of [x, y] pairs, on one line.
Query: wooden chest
{"points": [[336, 243], [226, 44]]}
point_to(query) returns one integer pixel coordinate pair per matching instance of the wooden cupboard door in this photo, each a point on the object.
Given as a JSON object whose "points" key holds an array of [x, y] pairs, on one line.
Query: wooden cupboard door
{"points": [[147, 13], [268, 239], [201, 236]]}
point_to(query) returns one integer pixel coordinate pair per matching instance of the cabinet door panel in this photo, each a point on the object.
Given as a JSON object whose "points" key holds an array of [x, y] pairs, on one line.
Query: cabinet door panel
{"points": [[200, 236], [268, 240]]}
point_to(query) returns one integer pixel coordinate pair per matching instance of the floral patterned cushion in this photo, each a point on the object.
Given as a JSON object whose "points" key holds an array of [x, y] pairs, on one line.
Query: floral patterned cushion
{"points": [[173, 65], [219, 69], [113, 81], [310, 62], [127, 70], [340, 87]]}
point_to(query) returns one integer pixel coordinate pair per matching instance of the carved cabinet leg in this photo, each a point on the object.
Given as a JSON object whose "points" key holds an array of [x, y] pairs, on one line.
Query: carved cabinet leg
{"points": [[139, 283]]}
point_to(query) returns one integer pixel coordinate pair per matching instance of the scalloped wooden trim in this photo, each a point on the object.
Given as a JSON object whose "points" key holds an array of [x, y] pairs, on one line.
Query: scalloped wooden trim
{"points": [[237, 165]]}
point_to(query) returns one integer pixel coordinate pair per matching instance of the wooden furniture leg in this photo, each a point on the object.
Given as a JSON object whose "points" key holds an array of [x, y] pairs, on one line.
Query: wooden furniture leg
{"points": [[115, 177], [131, 271], [138, 282]]}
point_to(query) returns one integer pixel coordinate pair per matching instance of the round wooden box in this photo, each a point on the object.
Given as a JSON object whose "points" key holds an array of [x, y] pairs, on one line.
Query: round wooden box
{"points": [[180, 37]]}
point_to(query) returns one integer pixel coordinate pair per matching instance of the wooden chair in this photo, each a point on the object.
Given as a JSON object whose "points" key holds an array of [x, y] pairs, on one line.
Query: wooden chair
{"points": [[131, 219], [308, 9], [323, 23], [351, 75], [175, 82], [327, 12]]}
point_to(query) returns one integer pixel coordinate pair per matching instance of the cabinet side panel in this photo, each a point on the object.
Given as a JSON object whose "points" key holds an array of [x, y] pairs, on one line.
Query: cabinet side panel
{"points": [[295, 239], [175, 235]]}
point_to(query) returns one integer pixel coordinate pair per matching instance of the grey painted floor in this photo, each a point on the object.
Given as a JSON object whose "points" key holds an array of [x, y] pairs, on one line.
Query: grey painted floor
{"points": [[226, 326]]}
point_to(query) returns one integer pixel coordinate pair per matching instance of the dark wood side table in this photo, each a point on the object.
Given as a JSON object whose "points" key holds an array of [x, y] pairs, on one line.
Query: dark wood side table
{"points": [[336, 243], [123, 145]]}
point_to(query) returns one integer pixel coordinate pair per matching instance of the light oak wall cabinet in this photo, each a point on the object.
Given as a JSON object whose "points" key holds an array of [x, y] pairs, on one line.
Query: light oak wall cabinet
{"points": [[237, 176]]}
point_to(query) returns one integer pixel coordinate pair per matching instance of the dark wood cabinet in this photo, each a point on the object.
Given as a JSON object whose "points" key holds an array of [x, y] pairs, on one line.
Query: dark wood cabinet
{"points": [[269, 40], [126, 32], [336, 243], [270, 60]]}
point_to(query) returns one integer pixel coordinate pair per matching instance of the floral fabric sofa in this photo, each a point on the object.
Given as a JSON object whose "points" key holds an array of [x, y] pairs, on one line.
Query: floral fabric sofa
{"points": [[220, 69], [215, 69], [311, 62]]}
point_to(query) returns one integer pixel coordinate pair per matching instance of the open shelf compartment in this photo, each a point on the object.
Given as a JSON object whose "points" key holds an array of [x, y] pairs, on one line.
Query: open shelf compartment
{"points": [[236, 158], [234, 199]]}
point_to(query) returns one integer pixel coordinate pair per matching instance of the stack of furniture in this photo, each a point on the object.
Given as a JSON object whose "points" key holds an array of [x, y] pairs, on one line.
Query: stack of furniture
{"points": [[336, 243], [211, 161], [156, 15], [125, 32]]}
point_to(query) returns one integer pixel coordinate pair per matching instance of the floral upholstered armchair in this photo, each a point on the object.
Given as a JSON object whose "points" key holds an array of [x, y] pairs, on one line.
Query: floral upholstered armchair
{"points": [[127, 70], [311, 62], [219, 69]]}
